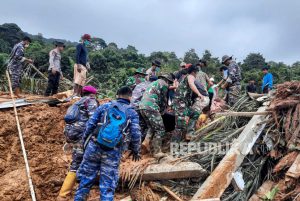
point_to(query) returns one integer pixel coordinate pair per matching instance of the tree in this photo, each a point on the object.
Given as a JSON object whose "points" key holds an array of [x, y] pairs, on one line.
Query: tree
{"points": [[254, 61], [98, 44], [191, 57]]}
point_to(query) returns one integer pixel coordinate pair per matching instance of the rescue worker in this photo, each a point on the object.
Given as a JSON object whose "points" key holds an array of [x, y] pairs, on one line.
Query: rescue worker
{"points": [[251, 87], [184, 106], [152, 106], [154, 70], [137, 78], [233, 81], [74, 133], [101, 159], [16, 62], [267, 84], [182, 72], [81, 64], [137, 95], [54, 70]]}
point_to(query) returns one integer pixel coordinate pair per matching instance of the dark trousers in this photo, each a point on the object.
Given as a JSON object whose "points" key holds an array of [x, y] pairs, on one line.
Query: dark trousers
{"points": [[210, 95], [53, 83]]}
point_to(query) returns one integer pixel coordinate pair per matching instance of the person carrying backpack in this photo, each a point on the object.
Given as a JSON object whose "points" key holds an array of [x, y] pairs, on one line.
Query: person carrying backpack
{"points": [[76, 118], [119, 130]]}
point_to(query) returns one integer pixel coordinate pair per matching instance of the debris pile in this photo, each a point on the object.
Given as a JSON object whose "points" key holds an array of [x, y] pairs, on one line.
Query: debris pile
{"points": [[261, 161]]}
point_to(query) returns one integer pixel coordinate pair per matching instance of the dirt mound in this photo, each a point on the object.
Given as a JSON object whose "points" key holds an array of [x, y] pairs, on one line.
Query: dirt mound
{"points": [[42, 128]]}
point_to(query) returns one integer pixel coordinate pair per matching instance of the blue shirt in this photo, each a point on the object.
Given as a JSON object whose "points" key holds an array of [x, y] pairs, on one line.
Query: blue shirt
{"points": [[81, 54], [267, 80]]}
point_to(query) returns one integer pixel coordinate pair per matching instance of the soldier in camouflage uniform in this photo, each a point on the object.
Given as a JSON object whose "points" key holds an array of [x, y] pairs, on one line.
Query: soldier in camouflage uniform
{"points": [[233, 80], [183, 104], [103, 160], [137, 78], [152, 106], [137, 95], [74, 132], [16, 62]]}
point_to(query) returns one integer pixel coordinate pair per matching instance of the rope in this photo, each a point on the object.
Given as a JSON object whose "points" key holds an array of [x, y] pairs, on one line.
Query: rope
{"points": [[21, 140]]}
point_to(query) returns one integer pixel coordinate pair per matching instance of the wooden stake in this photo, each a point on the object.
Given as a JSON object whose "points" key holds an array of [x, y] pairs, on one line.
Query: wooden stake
{"points": [[21, 140]]}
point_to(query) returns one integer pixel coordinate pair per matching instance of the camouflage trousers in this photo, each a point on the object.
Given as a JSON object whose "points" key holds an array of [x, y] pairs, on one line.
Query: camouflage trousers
{"points": [[15, 72], [77, 156], [233, 94], [154, 122], [143, 125], [183, 110], [96, 160]]}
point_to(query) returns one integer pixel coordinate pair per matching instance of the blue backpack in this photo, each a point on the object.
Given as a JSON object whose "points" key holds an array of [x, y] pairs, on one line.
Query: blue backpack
{"points": [[115, 122], [73, 112]]}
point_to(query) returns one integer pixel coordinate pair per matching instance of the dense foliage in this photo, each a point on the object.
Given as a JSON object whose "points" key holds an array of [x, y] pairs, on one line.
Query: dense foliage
{"points": [[111, 65]]}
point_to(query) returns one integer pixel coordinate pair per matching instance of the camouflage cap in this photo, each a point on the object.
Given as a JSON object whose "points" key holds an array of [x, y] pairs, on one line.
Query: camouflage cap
{"points": [[140, 71], [169, 77], [225, 58]]}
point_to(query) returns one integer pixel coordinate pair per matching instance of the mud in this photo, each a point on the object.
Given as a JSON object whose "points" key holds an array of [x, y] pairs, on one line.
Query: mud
{"points": [[42, 128]]}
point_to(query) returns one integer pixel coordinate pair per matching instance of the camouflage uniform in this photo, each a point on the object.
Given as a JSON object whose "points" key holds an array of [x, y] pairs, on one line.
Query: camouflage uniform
{"points": [[153, 104], [75, 130], [106, 162], [132, 81], [15, 64], [185, 106], [234, 79], [137, 95]]}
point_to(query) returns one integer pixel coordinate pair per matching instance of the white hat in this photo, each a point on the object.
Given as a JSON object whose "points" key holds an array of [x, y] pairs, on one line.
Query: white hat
{"points": [[212, 79], [182, 64]]}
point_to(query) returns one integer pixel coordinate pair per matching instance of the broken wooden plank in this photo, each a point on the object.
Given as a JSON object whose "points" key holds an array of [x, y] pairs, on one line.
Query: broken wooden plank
{"points": [[285, 162], [294, 170], [220, 178], [165, 171], [128, 198], [243, 114]]}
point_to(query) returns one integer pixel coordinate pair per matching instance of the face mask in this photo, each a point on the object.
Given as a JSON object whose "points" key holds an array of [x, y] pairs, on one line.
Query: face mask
{"points": [[26, 45], [86, 42]]}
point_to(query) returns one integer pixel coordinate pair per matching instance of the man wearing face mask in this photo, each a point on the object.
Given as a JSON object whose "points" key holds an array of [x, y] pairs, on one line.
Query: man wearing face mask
{"points": [[81, 66], [16, 62]]}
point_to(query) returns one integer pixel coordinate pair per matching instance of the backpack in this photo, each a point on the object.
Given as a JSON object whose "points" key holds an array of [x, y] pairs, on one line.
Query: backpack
{"points": [[114, 124], [73, 112]]}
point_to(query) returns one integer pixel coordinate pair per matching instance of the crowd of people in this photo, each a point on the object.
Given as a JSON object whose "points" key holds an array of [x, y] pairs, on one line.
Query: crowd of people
{"points": [[134, 121]]}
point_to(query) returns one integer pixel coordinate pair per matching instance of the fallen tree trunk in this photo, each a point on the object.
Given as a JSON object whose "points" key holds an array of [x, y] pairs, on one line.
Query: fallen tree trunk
{"points": [[220, 178]]}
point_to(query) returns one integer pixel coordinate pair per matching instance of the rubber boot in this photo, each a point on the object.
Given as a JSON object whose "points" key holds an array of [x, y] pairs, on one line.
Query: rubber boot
{"points": [[156, 144], [176, 136], [68, 185], [146, 142], [191, 129]]}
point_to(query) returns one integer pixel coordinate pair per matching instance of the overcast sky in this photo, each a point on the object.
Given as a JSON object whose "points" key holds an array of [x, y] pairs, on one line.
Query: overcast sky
{"points": [[234, 27]]}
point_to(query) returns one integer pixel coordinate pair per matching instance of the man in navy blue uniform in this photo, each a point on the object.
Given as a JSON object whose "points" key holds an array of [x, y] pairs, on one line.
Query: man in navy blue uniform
{"points": [[104, 160]]}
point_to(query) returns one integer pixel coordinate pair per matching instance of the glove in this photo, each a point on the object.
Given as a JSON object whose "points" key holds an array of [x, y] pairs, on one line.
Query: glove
{"points": [[135, 156]]}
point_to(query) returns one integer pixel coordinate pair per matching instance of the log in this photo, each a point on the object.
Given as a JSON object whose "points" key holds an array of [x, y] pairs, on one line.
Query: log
{"points": [[165, 171], [215, 185], [294, 170], [255, 95], [243, 114]]}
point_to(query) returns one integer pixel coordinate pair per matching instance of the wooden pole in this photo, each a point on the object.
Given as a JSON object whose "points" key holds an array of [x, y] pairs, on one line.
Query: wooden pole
{"points": [[243, 114], [21, 140]]}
